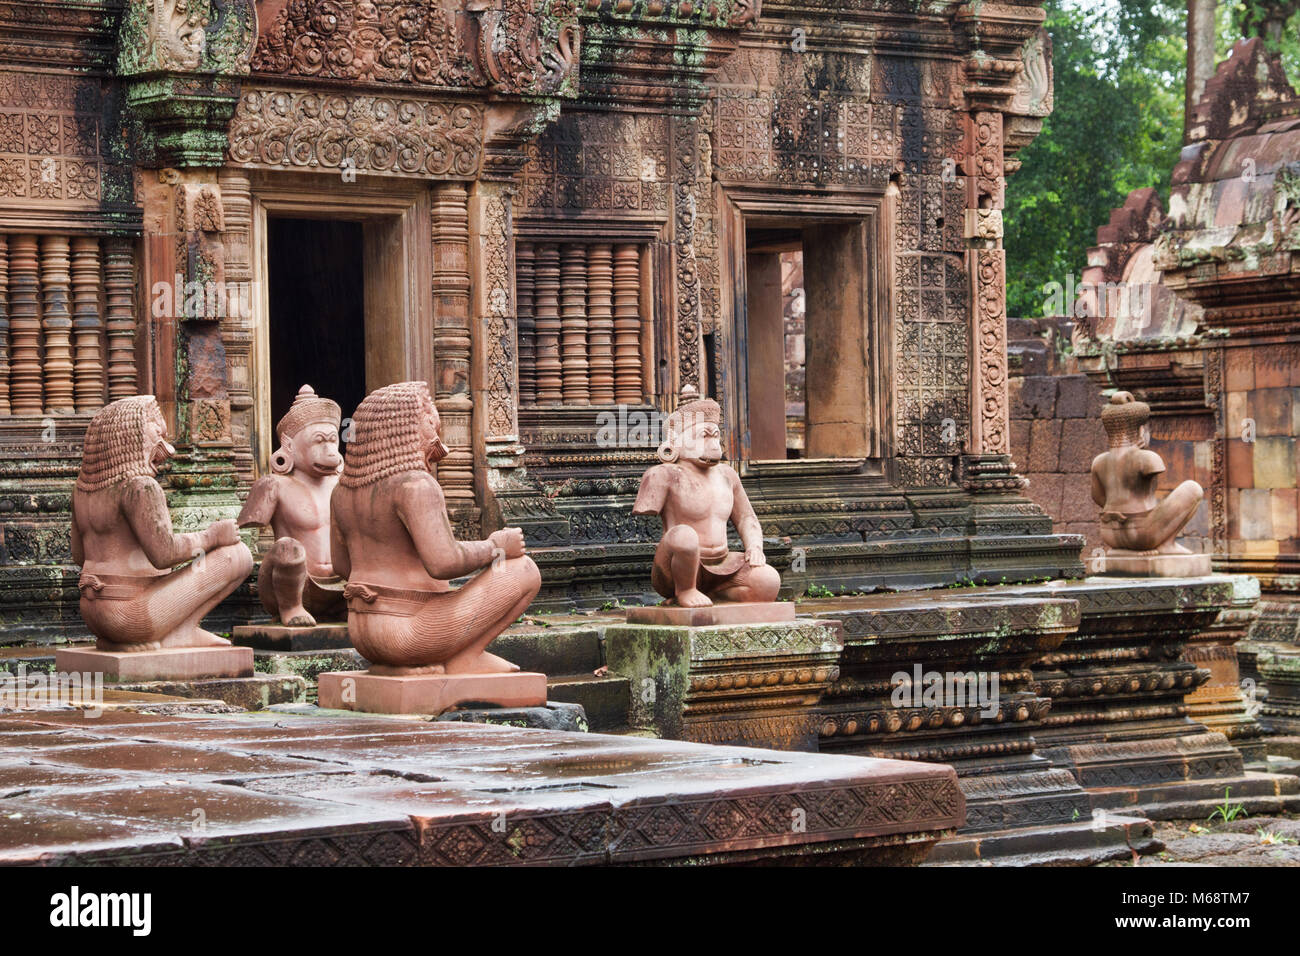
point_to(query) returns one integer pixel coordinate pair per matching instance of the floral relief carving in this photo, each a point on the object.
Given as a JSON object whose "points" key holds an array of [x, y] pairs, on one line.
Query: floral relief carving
{"points": [[368, 133]]}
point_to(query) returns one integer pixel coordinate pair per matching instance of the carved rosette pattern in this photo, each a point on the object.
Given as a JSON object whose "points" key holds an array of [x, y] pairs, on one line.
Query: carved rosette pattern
{"points": [[49, 140], [599, 162], [991, 342], [499, 323], [371, 134]]}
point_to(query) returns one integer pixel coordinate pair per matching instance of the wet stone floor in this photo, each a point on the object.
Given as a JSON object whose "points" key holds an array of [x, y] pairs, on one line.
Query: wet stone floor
{"points": [[321, 789]]}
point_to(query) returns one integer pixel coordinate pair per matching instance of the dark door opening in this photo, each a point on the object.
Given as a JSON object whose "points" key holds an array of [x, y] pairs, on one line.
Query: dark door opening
{"points": [[316, 298]]}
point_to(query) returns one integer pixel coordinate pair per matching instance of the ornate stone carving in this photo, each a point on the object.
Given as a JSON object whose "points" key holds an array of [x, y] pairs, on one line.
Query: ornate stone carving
{"points": [[49, 139], [186, 36], [499, 319], [380, 41], [991, 356], [530, 47], [372, 134]]}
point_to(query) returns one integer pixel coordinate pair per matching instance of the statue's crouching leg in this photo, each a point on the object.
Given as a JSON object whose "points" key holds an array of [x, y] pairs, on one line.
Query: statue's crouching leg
{"points": [[1171, 516], [449, 633], [170, 607], [677, 563], [281, 582], [762, 583]]}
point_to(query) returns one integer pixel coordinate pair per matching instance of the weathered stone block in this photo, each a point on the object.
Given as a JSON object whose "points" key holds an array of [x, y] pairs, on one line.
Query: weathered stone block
{"points": [[1255, 513], [1082, 440], [751, 684], [1077, 397], [1274, 460], [1239, 369], [1033, 397], [1271, 410], [1044, 446]]}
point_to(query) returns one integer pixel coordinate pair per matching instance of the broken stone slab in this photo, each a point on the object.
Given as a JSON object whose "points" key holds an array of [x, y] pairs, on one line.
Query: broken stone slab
{"points": [[553, 716], [755, 685], [428, 693], [278, 637], [249, 693], [166, 664]]}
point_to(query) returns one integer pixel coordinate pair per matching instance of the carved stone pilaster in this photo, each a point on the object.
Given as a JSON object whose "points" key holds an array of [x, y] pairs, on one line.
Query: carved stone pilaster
{"points": [[451, 344], [182, 61]]}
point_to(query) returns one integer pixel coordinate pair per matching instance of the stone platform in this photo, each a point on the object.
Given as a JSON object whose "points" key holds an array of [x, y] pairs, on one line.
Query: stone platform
{"points": [[1119, 686], [277, 637], [754, 685], [1019, 806], [283, 790], [168, 664], [433, 694]]}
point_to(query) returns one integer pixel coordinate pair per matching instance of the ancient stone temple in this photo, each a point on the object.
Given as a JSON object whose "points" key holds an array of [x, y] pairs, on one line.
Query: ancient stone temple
{"points": [[1195, 312], [559, 215]]}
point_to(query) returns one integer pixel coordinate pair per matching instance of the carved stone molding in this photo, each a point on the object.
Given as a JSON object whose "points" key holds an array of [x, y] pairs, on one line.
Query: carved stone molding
{"points": [[518, 47], [372, 134], [183, 60]]}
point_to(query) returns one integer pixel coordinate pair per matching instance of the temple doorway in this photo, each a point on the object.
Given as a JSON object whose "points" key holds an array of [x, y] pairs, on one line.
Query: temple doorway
{"points": [[342, 298], [808, 368], [317, 327]]}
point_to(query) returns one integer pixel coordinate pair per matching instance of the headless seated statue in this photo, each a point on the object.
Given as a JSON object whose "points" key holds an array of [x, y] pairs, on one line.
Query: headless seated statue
{"points": [[392, 539], [1124, 485], [133, 595], [695, 494], [297, 583]]}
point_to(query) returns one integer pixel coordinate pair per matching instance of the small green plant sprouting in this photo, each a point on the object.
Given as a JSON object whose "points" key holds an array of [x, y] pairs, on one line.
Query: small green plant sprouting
{"points": [[1273, 838], [1228, 810], [819, 591]]}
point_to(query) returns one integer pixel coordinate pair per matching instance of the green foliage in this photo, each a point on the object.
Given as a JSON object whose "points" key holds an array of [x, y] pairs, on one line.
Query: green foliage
{"points": [[1228, 811], [1277, 21], [1117, 126]]}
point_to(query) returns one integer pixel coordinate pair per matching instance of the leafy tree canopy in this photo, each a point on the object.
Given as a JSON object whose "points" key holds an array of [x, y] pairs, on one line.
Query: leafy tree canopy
{"points": [[1120, 69]]}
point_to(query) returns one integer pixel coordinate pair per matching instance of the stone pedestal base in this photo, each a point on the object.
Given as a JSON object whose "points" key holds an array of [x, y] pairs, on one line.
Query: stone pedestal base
{"points": [[178, 663], [755, 685], [1019, 808], [717, 615], [277, 637], [428, 693], [1152, 564], [1120, 691]]}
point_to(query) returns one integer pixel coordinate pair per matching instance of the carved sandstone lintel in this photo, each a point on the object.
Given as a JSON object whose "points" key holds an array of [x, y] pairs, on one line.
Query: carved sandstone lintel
{"points": [[370, 134]]}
